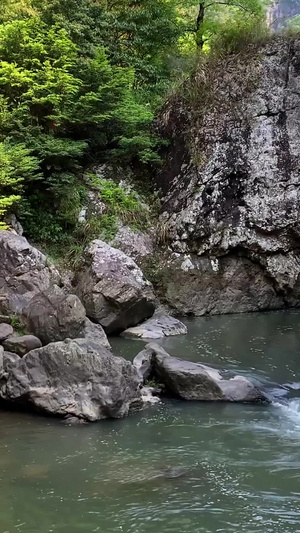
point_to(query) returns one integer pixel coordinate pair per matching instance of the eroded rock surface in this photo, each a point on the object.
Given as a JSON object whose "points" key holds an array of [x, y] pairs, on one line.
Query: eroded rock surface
{"points": [[6, 330], [67, 378], [159, 326], [24, 272], [54, 315], [113, 289], [195, 381], [21, 345], [230, 186]]}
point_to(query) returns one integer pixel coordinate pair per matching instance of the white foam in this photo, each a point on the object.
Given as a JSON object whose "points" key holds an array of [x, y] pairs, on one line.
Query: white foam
{"points": [[290, 410]]}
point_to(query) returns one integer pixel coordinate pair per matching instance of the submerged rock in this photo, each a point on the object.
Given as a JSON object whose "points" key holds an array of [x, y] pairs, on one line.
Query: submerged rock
{"points": [[73, 379], [159, 326], [195, 381], [113, 288], [22, 345], [55, 315]]}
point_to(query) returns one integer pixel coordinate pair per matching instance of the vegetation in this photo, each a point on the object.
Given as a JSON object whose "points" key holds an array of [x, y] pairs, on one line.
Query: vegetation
{"points": [[80, 82]]}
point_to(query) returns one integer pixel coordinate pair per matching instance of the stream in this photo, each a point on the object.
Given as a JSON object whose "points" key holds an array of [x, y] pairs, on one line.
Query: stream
{"points": [[177, 467]]}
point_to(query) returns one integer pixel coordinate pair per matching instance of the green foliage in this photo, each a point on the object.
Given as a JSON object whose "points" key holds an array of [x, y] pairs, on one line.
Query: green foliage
{"points": [[16, 324], [239, 35], [121, 204], [16, 165], [79, 83], [62, 108]]}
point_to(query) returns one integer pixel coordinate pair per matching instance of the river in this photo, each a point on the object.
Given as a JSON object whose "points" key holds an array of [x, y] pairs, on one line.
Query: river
{"points": [[177, 467]]}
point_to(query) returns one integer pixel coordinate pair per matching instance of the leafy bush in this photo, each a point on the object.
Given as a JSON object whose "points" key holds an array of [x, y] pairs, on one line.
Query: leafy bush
{"points": [[16, 166]]}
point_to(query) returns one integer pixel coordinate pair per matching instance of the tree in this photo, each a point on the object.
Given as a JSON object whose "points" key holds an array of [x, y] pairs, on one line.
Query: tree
{"points": [[16, 165], [63, 107], [209, 12]]}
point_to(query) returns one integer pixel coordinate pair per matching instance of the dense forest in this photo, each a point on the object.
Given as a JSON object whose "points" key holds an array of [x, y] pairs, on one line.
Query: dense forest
{"points": [[80, 83]]}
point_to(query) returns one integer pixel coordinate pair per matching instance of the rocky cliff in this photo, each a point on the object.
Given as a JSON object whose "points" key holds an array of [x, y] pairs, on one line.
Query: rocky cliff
{"points": [[230, 185]]}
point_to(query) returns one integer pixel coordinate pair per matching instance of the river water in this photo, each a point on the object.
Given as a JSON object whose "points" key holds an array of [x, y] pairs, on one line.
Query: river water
{"points": [[178, 467]]}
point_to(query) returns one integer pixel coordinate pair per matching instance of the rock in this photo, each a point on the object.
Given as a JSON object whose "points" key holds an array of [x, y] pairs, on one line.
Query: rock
{"points": [[229, 187], [21, 345], [149, 396], [54, 315], [195, 381], [135, 244], [113, 288], [143, 361], [70, 379], [6, 330], [159, 326], [8, 361], [12, 221], [95, 332], [25, 272]]}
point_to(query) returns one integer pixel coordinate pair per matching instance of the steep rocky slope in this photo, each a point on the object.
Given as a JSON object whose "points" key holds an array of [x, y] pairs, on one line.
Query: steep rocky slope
{"points": [[230, 185]]}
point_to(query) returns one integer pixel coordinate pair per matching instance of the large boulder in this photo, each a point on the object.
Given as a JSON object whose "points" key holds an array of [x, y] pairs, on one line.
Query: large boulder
{"points": [[113, 289], [160, 325], [54, 315], [6, 330], [95, 332], [22, 345], [195, 381], [230, 185], [78, 379], [25, 272]]}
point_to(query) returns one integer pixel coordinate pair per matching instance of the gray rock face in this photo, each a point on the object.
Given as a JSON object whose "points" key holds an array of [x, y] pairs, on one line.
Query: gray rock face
{"points": [[5, 331], [113, 288], [24, 273], [72, 379], [230, 186], [54, 315], [95, 333], [22, 345], [135, 244], [159, 326], [7, 361], [195, 381]]}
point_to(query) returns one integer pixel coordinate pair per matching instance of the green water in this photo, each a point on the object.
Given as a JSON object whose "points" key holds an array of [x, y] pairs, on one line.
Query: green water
{"points": [[174, 468]]}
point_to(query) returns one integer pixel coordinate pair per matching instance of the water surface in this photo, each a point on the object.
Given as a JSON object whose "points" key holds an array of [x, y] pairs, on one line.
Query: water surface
{"points": [[178, 467]]}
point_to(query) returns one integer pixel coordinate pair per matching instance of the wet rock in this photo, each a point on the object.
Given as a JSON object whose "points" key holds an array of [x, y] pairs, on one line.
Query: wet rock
{"points": [[21, 345], [55, 315], [25, 272], [195, 381], [159, 326], [6, 330], [73, 379], [113, 288], [143, 361], [149, 396]]}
